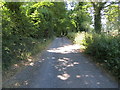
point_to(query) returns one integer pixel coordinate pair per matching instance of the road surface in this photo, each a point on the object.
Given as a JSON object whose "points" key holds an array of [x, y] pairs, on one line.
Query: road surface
{"points": [[62, 66]]}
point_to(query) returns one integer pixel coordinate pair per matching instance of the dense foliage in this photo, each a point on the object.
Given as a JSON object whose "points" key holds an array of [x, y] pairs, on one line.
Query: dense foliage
{"points": [[104, 42], [106, 50], [27, 27], [80, 17]]}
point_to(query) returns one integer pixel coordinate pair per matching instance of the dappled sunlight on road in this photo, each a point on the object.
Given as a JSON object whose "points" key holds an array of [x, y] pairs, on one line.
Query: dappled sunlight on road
{"points": [[26, 82], [28, 62], [65, 49], [17, 84], [65, 64], [78, 76], [21, 83], [62, 66], [64, 76]]}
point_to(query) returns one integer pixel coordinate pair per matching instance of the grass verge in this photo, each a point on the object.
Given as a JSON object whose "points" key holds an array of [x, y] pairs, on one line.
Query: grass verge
{"points": [[20, 53]]}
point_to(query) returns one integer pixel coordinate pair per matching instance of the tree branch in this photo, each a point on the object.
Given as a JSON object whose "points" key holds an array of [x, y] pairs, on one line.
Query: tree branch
{"points": [[111, 4]]}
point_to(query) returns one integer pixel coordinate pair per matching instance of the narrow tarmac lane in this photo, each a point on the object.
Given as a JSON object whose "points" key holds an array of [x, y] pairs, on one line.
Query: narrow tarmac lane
{"points": [[62, 66]]}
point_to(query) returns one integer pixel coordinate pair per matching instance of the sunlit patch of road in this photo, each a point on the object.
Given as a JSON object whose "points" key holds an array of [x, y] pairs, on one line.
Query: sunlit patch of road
{"points": [[65, 49]]}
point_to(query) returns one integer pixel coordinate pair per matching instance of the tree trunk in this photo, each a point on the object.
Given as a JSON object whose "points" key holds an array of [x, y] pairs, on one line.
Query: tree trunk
{"points": [[97, 20]]}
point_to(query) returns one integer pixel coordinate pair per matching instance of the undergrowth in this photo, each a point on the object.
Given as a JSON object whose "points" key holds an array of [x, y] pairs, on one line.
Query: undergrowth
{"points": [[103, 47], [16, 49]]}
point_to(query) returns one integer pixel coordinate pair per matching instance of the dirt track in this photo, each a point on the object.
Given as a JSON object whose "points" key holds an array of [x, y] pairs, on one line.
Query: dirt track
{"points": [[62, 66]]}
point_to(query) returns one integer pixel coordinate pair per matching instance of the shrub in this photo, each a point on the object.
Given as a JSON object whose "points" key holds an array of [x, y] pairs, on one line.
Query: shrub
{"points": [[106, 50], [17, 48]]}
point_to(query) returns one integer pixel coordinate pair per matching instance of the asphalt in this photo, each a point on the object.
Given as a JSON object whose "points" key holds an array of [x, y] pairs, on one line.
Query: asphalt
{"points": [[61, 65]]}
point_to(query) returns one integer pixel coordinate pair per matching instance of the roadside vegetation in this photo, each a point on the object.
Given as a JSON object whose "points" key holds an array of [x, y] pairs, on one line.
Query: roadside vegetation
{"points": [[105, 49], [103, 44], [28, 27]]}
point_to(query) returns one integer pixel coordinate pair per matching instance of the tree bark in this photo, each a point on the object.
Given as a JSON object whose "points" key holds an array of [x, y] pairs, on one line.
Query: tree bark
{"points": [[98, 6], [97, 20]]}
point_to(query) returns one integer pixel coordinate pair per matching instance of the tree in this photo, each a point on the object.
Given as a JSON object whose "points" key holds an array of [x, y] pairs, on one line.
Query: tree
{"points": [[81, 17], [59, 18], [98, 6], [112, 15]]}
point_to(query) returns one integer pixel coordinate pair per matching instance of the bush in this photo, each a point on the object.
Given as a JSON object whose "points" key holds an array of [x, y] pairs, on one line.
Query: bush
{"points": [[17, 48], [106, 50]]}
